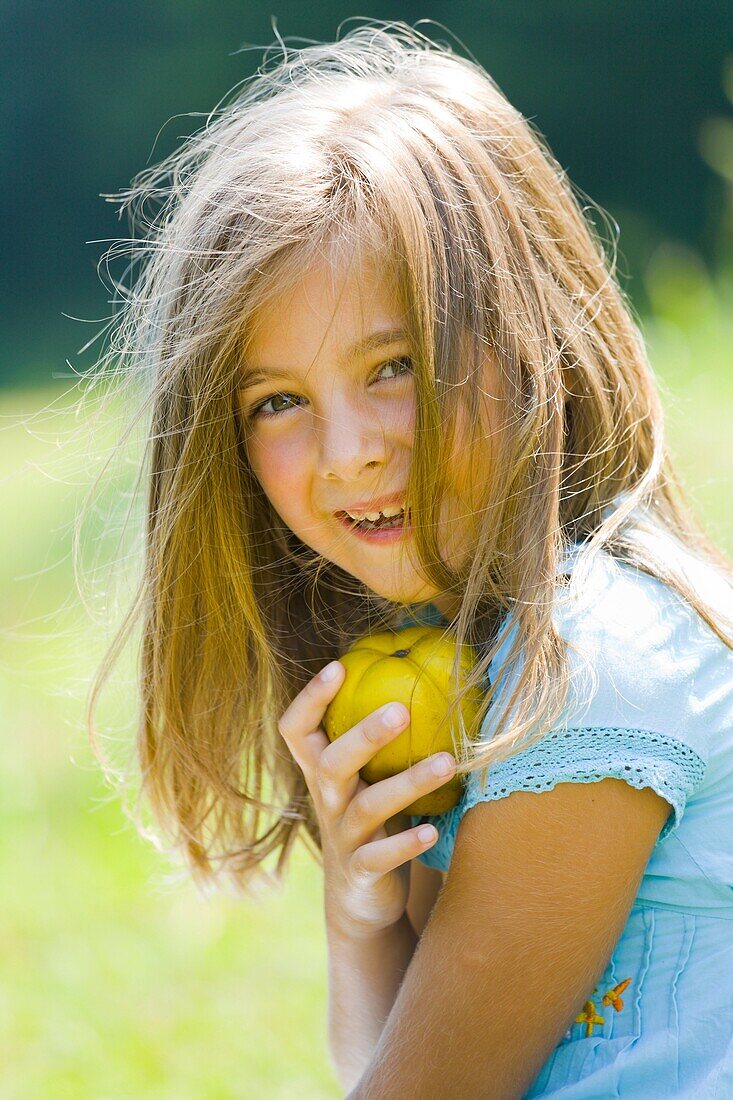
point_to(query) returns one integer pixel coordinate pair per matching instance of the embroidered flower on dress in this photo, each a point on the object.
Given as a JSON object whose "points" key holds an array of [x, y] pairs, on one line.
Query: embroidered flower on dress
{"points": [[590, 1017], [613, 997]]}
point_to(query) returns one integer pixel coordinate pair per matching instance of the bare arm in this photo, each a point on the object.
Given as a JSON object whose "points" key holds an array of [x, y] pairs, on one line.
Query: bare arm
{"points": [[367, 851], [425, 885], [364, 977], [507, 933]]}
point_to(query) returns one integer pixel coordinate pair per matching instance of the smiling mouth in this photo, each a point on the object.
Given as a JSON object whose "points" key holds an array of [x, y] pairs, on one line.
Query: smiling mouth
{"points": [[390, 523], [386, 533]]}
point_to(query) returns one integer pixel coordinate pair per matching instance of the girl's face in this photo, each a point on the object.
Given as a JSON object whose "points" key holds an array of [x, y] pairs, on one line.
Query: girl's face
{"points": [[340, 425]]}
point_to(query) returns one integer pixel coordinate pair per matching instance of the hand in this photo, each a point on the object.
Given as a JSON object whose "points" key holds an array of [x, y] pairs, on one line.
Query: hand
{"points": [[366, 867]]}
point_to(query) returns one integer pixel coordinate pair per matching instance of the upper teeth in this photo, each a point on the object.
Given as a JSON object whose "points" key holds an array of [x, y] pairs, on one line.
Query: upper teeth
{"points": [[374, 516]]}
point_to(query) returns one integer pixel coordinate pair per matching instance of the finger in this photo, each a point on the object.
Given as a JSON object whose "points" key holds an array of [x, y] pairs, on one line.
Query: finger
{"points": [[382, 801], [381, 856], [348, 754], [300, 724], [340, 762]]}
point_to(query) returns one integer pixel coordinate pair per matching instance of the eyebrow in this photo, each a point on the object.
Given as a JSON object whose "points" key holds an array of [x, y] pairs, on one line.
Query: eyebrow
{"points": [[250, 376]]}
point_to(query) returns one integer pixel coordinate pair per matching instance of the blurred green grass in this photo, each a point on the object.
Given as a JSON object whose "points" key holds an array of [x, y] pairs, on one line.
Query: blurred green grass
{"points": [[117, 983]]}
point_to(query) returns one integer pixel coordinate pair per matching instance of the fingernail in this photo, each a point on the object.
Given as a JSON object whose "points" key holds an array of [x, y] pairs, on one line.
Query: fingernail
{"points": [[394, 715], [442, 765], [330, 672]]}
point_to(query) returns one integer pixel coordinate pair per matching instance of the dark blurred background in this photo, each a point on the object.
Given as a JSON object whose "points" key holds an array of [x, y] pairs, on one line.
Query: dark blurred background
{"points": [[116, 980], [630, 96]]}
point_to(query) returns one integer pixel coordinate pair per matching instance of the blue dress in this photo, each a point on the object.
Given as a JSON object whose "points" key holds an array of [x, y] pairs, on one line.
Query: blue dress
{"points": [[650, 702]]}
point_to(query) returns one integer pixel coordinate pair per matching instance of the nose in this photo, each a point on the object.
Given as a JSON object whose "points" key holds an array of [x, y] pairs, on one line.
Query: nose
{"points": [[351, 439]]}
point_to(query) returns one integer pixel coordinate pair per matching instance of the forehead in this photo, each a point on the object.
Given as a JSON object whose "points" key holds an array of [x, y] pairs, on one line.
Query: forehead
{"points": [[328, 309]]}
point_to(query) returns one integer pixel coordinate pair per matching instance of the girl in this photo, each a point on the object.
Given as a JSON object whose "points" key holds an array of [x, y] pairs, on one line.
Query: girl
{"points": [[370, 288]]}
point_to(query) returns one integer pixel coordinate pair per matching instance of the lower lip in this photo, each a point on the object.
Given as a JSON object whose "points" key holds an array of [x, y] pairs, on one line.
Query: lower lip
{"points": [[391, 534]]}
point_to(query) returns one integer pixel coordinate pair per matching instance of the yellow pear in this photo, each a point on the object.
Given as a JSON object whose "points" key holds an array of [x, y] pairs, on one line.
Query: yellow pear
{"points": [[410, 666]]}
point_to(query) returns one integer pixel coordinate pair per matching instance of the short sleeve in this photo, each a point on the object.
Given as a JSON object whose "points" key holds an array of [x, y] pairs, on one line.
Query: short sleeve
{"points": [[638, 756], [640, 706], [637, 654]]}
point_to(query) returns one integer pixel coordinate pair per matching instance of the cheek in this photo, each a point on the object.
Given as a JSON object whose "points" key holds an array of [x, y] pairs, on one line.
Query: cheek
{"points": [[270, 456], [282, 472]]}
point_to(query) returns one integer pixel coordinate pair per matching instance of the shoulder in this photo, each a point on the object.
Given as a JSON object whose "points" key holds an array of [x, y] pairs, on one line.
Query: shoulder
{"points": [[639, 655], [613, 602]]}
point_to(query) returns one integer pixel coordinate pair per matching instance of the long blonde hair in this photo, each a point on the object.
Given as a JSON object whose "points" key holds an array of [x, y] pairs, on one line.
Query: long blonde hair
{"points": [[381, 142]]}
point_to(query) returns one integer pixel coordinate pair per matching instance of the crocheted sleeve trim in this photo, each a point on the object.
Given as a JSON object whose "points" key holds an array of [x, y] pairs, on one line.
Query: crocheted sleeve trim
{"points": [[640, 757]]}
